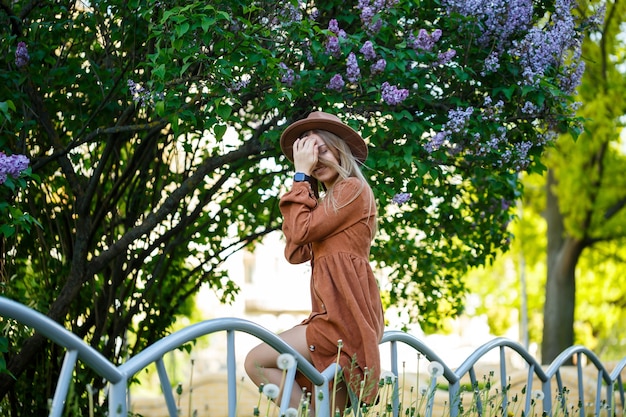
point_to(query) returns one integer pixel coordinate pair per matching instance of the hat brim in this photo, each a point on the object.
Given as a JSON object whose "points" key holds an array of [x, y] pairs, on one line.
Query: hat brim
{"points": [[350, 136]]}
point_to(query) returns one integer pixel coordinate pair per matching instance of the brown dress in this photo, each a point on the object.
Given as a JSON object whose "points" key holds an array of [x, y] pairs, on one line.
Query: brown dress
{"points": [[345, 298]]}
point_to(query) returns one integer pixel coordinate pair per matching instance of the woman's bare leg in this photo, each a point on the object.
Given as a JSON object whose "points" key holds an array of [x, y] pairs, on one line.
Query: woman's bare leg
{"points": [[261, 367]]}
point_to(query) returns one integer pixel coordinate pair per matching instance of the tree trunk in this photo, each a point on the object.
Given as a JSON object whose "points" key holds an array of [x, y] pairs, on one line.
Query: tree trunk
{"points": [[563, 254]]}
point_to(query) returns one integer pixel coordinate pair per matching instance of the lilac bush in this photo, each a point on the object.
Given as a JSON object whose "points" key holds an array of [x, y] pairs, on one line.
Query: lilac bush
{"points": [[457, 98], [135, 128]]}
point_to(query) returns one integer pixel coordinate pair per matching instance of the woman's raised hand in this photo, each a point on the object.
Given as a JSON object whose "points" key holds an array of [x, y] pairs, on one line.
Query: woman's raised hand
{"points": [[305, 154]]}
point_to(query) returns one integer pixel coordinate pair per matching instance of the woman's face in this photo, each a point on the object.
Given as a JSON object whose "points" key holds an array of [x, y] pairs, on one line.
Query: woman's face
{"points": [[322, 171]]}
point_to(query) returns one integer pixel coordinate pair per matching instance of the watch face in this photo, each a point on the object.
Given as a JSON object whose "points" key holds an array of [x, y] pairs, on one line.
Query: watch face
{"points": [[299, 177]]}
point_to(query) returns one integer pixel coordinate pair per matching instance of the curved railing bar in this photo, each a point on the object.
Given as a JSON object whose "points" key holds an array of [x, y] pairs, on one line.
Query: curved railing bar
{"points": [[617, 371], [204, 328], [499, 343], [61, 336], [568, 353], [156, 351], [415, 343]]}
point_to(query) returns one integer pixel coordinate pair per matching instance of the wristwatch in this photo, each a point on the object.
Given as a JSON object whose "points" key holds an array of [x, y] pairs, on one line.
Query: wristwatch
{"points": [[300, 177]]}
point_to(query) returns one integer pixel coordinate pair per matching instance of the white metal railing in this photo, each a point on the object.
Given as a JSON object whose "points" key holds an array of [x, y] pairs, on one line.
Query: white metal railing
{"points": [[118, 377], [610, 381]]}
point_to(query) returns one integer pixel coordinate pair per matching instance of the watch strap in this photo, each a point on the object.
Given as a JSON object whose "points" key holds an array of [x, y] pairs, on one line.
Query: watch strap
{"points": [[301, 177]]}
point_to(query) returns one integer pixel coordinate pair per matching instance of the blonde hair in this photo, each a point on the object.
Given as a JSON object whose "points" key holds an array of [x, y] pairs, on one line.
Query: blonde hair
{"points": [[347, 167]]}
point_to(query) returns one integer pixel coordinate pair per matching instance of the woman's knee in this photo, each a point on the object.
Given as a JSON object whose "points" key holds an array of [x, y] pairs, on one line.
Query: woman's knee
{"points": [[258, 357]]}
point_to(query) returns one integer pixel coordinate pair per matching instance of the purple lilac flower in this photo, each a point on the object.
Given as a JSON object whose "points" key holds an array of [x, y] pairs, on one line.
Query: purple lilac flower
{"points": [[309, 57], [401, 198], [444, 57], [424, 40], [12, 165], [21, 55], [368, 13], [288, 76], [378, 66], [572, 74], [393, 95], [368, 51], [530, 108], [370, 9], [141, 96], [333, 26], [353, 73], [458, 118], [306, 48], [332, 46], [375, 26], [238, 85], [545, 47], [597, 19], [138, 92], [521, 153], [491, 145], [336, 83], [293, 13], [500, 19], [376, 5], [436, 142], [492, 63]]}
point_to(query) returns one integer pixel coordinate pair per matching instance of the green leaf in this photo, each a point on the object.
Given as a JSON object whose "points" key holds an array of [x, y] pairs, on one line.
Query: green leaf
{"points": [[219, 131], [207, 22], [181, 29], [224, 111], [7, 230], [159, 72]]}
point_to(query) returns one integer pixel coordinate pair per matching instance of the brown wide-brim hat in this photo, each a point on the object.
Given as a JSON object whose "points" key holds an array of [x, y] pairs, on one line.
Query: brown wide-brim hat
{"points": [[319, 120]]}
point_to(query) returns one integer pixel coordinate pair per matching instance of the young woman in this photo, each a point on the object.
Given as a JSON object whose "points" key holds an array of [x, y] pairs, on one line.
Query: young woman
{"points": [[334, 233]]}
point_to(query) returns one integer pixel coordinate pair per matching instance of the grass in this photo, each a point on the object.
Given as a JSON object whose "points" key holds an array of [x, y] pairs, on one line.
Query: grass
{"points": [[485, 398], [424, 395]]}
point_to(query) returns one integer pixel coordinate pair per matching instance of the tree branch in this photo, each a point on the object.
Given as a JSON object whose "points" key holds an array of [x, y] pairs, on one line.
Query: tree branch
{"points": [[615, 208]]}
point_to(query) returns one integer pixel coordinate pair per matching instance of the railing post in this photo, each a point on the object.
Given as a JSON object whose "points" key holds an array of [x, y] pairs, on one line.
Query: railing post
{"points": [[231, 371], [393, 349], [547, 396], [63, 383], [166, 386], [118, 394], [322, 393], [290, 378]]}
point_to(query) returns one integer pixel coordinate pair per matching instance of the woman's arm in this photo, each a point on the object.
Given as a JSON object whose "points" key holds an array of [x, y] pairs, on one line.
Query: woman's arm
{"points": [[305, 221]]}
